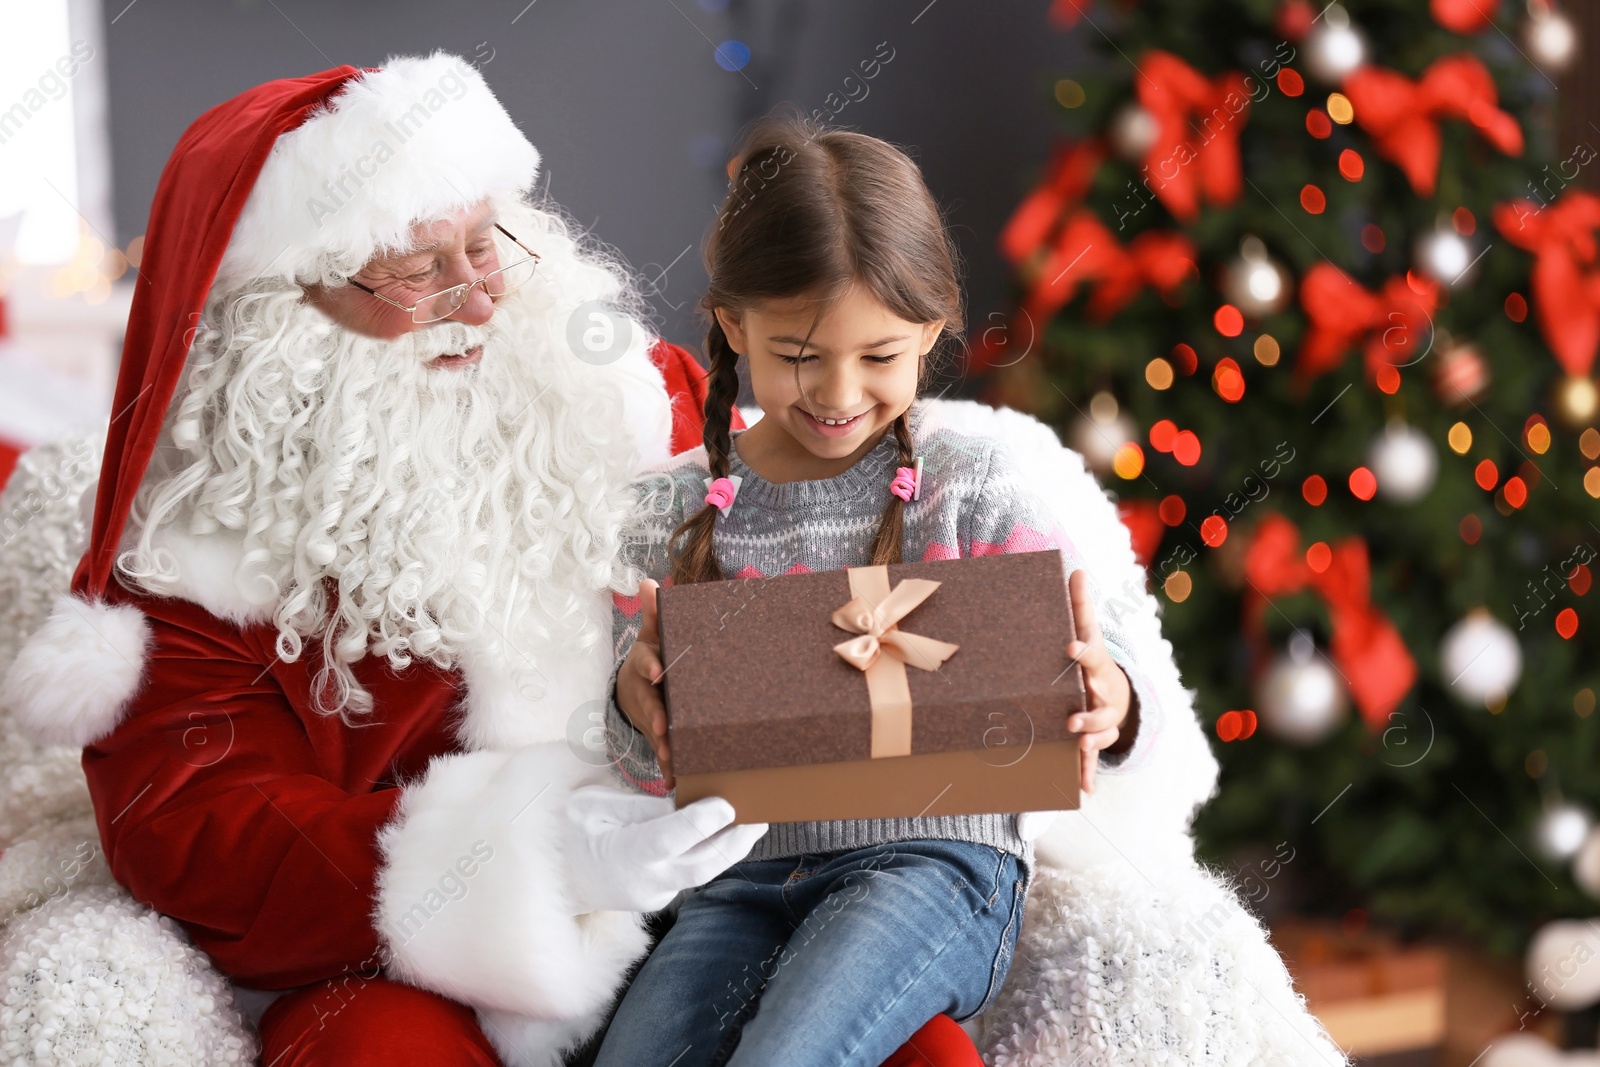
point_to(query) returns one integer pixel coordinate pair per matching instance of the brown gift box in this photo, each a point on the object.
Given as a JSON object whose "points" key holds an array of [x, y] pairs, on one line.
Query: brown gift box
{"points": [[765, 713], [1374, 996]]}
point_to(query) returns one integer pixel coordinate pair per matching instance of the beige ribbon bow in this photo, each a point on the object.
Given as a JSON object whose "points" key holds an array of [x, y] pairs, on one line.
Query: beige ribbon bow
{"points": [[883, 651]]}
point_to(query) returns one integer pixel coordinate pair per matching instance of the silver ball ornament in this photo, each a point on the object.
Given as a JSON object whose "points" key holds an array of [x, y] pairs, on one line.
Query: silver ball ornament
{"points": [[1480, 658], [1551, 38], [1561, 829], [1334, 48], [1563, 965], [1405, 463], [1133, 130], [1301, 697], [1586, 864], [1256, 284], [1104, 429], [1445, 256]]}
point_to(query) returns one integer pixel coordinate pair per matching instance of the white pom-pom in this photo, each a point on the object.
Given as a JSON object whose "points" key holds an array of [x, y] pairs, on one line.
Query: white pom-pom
{"points": [[73, 678]]}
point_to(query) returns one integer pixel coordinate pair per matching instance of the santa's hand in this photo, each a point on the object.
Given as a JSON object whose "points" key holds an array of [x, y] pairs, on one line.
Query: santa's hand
{"points": [[630, 852], [1108, 690], [639, 683]]}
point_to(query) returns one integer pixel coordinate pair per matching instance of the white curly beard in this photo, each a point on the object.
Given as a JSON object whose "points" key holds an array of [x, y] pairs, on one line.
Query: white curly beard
{"points": [[455, 509]]}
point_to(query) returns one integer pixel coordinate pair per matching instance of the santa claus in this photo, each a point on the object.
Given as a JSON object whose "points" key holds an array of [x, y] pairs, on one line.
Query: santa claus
{"points": [[345, 591], [336, 648]]}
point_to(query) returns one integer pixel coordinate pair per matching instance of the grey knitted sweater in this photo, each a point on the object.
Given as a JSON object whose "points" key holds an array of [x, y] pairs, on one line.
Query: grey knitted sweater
{"points": [[972, 503]]}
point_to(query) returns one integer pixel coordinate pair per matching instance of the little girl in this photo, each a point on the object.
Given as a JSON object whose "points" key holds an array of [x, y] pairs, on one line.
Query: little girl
{"points": [[831, 273]]}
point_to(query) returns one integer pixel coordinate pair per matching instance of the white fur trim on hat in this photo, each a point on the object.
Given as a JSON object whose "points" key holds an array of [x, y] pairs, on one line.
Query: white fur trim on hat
{"points": [[414, 141], [72, 680]]}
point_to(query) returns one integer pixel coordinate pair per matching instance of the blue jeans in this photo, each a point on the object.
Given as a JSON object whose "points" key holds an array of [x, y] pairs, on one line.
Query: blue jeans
{"points": [[824, 960]]}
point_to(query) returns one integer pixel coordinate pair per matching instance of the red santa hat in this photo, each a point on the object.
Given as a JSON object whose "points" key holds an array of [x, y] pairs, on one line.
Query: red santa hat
{"points": [[292, 180]]}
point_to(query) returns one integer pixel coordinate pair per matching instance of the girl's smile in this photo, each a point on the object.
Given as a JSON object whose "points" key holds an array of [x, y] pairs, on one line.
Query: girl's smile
{"points": [[830, 377], [832, 428]]}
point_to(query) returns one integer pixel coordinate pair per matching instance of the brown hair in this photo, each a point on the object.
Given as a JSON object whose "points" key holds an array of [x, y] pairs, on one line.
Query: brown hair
{"points": [[814, 210]]}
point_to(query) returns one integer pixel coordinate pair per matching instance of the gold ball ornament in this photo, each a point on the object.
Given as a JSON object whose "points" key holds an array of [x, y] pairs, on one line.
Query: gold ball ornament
{"points": [[1577, 401]]}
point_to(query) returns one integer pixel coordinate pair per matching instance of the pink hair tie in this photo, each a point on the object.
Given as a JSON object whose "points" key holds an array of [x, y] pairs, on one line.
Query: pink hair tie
{"points": [[907, 484], [904, 485], [720, 493]]}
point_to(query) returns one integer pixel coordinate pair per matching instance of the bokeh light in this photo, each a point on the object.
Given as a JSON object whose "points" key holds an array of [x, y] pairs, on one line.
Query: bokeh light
{"points": [[1363, 483], [732, 55], [1069, 94], [1158, 374]]}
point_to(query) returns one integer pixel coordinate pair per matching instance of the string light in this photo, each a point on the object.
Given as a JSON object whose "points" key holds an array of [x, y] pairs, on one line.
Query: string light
{"points": [[1128, 463], [1158, 374]]}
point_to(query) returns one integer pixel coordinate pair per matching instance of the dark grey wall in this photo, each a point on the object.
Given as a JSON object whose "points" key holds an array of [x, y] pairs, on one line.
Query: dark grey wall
{"points": [[626, 103]]}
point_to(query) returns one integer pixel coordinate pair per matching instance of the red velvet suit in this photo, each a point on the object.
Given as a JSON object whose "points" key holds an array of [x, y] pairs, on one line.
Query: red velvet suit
{"points": [[227, 802]]}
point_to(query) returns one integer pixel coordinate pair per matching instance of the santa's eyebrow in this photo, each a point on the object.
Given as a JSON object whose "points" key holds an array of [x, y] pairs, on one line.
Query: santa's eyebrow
{"points": [[479, 230]]}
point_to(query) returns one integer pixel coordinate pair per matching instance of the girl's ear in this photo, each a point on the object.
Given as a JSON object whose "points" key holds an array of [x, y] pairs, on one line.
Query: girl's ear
{"points": [[732, 324], [930, 334]]}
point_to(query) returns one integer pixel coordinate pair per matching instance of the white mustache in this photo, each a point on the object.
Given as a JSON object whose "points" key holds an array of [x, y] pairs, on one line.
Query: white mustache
{"points": [[444, 339]]}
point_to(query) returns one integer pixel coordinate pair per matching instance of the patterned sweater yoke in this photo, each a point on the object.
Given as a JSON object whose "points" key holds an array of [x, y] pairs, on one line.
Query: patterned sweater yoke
{"points": [[973, 503]]}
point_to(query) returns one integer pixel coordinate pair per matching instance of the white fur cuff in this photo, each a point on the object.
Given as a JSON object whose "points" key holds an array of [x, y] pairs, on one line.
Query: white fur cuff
{"points": [[473, 903], [72, 680]]}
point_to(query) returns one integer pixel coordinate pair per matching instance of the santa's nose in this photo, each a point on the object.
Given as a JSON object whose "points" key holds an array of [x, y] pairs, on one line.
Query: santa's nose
{"points": [[478, 307], [476, 310]]}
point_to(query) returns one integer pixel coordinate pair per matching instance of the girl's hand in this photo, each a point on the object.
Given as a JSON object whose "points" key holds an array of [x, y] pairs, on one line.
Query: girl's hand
{"points": [[639, 682], [1108, 689]]}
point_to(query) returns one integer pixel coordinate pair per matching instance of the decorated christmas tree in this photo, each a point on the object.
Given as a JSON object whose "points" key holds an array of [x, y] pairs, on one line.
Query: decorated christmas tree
{"points": [[1316, 291]]}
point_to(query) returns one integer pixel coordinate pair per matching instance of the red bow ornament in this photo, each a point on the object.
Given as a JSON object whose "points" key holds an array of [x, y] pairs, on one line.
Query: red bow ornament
{"points": [[1565, 282], [1403, 116], [1086, 251], [1198, 121], [1396, 321], [1463, 16], [1068, 178], [1364, 644]]}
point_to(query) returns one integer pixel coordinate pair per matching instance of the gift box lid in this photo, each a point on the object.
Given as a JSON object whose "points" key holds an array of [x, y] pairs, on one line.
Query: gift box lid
{"points": [[753, 680]]}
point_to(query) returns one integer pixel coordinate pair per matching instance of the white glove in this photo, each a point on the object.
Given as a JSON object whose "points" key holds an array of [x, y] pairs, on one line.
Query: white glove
{"points": [[1031, 824], [630, 852]]}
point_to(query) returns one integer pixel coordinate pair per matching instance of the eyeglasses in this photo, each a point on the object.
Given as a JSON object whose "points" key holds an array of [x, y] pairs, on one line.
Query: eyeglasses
{"points": [[447, 302]]}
